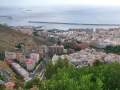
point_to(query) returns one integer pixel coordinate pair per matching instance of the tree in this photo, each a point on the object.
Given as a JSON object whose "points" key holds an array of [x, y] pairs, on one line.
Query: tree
{"points": [[51, 69], [112, 49], [111, 75], [35, 33], [62, 77], [98, 77], [97, 62], [19, 45], [32, 83]]}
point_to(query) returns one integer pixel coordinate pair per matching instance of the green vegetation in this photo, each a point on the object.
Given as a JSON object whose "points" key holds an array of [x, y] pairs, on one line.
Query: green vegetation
{"points": [[71, 45], [63, 76], [32, 83], [2, 55], [18, 46], [68, 45], [1, 77], [112, 49], [35, 33], [77, 49], [52, 69]]}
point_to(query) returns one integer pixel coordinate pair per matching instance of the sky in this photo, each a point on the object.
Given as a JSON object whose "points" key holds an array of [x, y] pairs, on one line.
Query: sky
{"points": [[85, 11], [48, 3]]}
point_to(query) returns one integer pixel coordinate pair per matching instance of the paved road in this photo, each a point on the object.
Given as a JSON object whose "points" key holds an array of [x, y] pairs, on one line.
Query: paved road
{"points": [[40, 70]]}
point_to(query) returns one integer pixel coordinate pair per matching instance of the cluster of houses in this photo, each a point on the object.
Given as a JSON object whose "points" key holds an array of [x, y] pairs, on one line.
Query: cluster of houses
{"points": [[21, 63], [87, 57], [25, 62]]}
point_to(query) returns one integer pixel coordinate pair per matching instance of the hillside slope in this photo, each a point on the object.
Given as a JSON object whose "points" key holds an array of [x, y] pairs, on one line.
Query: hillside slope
{"points": [[9, 38]]}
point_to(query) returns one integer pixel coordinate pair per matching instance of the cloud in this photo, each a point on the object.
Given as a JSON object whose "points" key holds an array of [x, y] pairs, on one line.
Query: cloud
{"points": [[59, 2]]}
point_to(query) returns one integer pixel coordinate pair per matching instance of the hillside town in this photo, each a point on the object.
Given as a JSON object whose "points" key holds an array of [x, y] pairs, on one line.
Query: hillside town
{"points": [[81, 47]]}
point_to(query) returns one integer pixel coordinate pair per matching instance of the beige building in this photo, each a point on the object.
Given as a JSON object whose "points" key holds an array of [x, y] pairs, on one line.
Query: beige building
{"points": [[30, 64], [20, 71], [35, 57], [56, 49], [20, 57], [10, 55]]}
